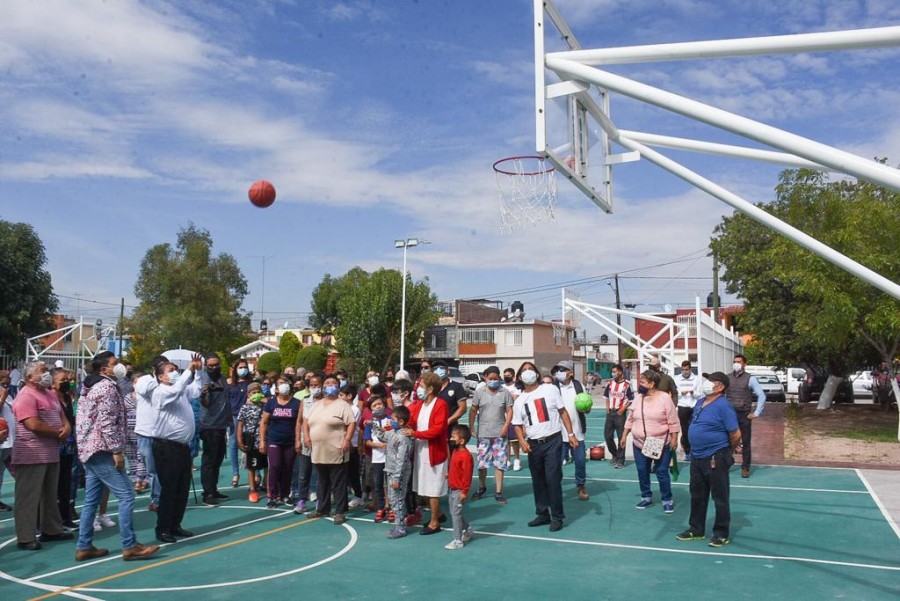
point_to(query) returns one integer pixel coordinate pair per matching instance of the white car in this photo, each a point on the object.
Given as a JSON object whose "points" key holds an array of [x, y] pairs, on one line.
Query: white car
{"points": [[862, 383], [771, 386]]}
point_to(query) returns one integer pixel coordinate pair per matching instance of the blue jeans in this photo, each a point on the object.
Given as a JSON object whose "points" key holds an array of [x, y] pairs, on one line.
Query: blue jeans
{"points": [[643, 465], [145, 448], [101, 470], [233, 451]]}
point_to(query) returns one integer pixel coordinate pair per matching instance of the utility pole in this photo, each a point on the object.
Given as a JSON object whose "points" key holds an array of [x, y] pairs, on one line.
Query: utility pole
{"points": [[715, 290], [121, 328], [618, 321]]}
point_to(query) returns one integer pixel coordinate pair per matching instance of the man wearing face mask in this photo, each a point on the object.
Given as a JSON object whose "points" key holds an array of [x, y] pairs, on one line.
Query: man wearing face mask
{"points": [[492, 408], [689, 390], [215, 421], [742, 388], [618, 395], [666, 382], [452, 393], [171, 450], [101, 433], [564, 379], [714, 434], [40, 426], [538, 416]]}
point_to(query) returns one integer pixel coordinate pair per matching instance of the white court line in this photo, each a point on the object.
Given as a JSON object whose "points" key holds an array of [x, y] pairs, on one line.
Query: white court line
{"points": [[689, 552], [50, 588], [280, 512], [748, 486], [881, 507]]}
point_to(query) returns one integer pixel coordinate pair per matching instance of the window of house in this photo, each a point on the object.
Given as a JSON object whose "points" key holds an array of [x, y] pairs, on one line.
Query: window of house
{"points": [[477, 335], [513, 337], [436, 339]]}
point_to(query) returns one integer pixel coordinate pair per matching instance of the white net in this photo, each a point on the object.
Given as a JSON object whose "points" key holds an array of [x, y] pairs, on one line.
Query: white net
{"points": [[526, 186]]}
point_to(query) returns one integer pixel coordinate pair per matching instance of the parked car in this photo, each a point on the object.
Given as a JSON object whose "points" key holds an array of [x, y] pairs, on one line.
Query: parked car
{"points": [[812, 387], [471, 382], [862, 384], [793, 377], [771, 386]]}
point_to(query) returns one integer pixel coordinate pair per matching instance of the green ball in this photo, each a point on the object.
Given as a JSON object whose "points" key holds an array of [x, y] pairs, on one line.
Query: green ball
{"points": [[583, 402]]}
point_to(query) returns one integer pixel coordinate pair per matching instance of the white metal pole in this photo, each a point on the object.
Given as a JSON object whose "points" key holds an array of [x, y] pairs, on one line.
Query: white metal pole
{"points": [[403, 310], [853, 39], [823, 154], [754, 212]]}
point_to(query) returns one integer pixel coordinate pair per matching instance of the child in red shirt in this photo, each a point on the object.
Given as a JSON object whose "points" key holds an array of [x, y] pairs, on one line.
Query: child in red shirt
{"points": [[460, 479]]}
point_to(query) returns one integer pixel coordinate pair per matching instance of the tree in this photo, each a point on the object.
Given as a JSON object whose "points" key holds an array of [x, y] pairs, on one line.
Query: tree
{"points": [[312, 357], [268, 362], [365, 310], [188, 298], [288, 349], [27, 301], [803, 310]]}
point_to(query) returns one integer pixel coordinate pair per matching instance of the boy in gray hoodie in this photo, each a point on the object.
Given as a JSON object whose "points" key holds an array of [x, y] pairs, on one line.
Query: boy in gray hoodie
{"points": [[398, 469]]}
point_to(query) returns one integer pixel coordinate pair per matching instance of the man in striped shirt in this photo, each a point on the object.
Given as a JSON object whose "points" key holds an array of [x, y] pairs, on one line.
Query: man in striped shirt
{"points": [[618, 395]]}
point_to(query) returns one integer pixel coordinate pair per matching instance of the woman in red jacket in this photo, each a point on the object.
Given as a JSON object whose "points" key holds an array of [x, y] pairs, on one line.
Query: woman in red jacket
{"points": [[428, 425]]}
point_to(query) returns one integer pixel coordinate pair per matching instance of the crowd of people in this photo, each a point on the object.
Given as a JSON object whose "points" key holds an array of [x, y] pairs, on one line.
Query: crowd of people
{"points": [[318, 445]]}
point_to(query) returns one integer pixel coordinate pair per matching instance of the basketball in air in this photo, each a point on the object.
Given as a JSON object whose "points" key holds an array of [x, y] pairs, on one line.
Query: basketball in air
{"points": [[262, 194]]}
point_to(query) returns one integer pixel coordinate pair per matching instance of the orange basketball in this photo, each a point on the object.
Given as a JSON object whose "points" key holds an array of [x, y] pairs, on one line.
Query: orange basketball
{"points": [[262, 194]]}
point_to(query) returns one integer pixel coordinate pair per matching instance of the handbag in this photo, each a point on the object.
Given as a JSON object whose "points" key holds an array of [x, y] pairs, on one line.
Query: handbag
{"points": [[653, 446]]}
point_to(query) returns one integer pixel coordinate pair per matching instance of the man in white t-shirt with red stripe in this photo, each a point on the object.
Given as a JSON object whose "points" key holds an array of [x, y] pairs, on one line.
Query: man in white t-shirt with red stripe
{"points": [[618, 395], [538, 416]]}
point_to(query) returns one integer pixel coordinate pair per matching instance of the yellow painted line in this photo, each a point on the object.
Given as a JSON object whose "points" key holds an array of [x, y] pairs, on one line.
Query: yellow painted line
{"points": [[151, 566]]}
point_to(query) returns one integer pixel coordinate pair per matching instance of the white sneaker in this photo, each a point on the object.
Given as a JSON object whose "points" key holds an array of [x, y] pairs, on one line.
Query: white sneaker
{"points": [[467, 534], [312, 497], [454, 545], [517, 466], [354, 502], [97, 526], [105, 521]]}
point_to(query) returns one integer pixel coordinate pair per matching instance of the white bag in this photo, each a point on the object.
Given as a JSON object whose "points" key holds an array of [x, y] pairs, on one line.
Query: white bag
{"points": [[653, 447]]}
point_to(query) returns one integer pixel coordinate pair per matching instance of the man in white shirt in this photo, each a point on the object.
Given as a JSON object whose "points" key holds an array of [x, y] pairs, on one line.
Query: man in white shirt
{"points": [[689, 390], [538, 414]]}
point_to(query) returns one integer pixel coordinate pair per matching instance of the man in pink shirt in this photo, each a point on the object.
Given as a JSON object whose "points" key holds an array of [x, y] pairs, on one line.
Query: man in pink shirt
{"points": [[40, 427]]}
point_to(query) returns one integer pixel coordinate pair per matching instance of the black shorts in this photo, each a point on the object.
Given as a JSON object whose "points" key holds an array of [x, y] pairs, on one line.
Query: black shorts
{"points": [[256, 460]]}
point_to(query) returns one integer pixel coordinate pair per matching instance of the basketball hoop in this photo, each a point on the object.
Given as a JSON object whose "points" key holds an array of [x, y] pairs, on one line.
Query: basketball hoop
{"points": [[559, 334], [526, 186]]}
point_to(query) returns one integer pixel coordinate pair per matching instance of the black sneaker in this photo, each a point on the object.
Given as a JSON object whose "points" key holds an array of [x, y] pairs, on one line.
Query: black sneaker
{"points": [[479, 493], [210, 500], [539, 521], [718, 542], [689, 535], [4, 507], [271, 504], [220, 496], [556, 525]]}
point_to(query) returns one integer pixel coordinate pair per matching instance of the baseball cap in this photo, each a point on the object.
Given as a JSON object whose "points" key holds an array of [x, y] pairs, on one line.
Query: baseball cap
{"points": [[654, 361], [566, 365], [717, 376]]}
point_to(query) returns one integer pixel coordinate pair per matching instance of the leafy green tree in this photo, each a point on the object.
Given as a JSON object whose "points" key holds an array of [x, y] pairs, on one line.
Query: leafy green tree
{"points": [[325, 316], [188, 297], [312, 357], [26, 297], [368, 314], [267, 362], [288, 349], [802, 309]]}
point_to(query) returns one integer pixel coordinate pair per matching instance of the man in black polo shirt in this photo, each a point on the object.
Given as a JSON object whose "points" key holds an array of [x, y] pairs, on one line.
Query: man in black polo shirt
{"points": [[453, 394], [215, 421]]}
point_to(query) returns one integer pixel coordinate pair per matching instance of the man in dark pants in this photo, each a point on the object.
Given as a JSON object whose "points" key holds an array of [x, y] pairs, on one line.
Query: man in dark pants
{"points": [[215, 421], [173, 431], [537, 414], [742, 389], [618, 395], [714, 433]]}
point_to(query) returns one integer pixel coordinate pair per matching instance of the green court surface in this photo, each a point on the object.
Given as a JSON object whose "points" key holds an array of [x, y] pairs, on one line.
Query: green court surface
{"points": [[797, 533]]}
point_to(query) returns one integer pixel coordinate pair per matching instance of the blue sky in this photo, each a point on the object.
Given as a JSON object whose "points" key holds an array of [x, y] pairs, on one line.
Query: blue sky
{"points": [[123, 121]]}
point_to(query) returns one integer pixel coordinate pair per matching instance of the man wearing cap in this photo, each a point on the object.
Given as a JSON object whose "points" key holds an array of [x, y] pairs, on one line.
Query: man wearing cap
{"points": [[666, 383], [742, 388], [452, 393], [714, 433], [564, 377]]}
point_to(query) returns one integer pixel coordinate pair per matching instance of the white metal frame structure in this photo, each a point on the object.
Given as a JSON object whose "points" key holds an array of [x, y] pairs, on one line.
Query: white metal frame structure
{"points": [[73, 360], [716, 344], [580, 81]]}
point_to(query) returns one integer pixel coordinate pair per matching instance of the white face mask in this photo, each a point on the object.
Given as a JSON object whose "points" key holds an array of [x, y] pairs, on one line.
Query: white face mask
{"points": [[373, 381], [46, 380], [284, 389], [315, 391], [529, 377], [707, 388], [561, 376], [395, 396], [737, 367], [119, 371]]}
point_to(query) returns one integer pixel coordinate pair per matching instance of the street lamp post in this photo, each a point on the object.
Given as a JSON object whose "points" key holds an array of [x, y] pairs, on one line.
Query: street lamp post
{"points": [[404, 244]]}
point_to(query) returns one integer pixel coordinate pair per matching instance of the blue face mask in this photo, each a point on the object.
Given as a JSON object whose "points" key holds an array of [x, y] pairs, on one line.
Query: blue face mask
{"points": [[266, 390], [173, 376], [440, 372], [242, 372], [332, 391], [494, 384], [643, 389]]}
